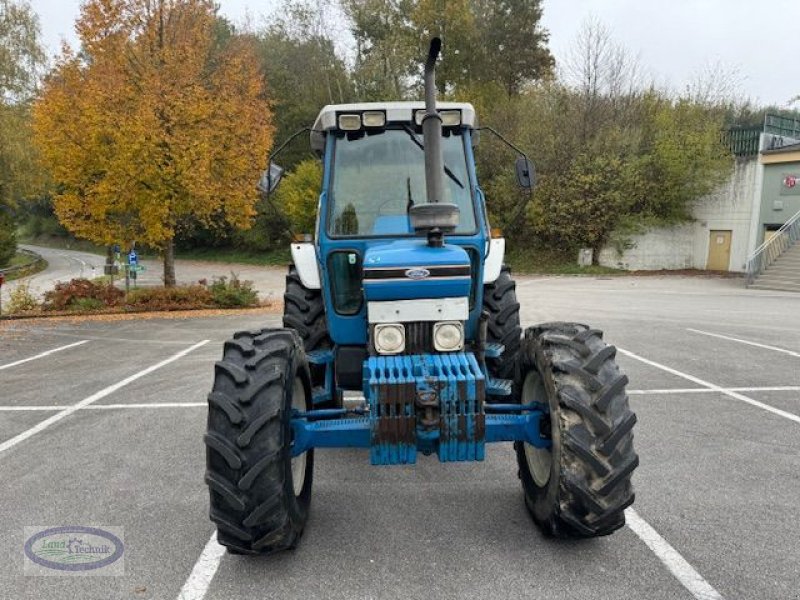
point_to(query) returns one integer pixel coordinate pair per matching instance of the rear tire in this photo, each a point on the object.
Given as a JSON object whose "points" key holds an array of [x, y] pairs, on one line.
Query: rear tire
{"points": [[304, 311], [259, 495], [500, 303], [581, 486]]}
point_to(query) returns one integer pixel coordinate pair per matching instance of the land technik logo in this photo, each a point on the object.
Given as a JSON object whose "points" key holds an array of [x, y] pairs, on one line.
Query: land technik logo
{"points": [[73, 550]]}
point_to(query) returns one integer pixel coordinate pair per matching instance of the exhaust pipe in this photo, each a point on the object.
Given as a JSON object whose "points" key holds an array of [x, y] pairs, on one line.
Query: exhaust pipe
{"points": [[432, 129], [435, 217]]}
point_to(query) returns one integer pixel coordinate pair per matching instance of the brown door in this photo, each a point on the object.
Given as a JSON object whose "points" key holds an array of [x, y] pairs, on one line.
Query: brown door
{"points": [[719, 250]]}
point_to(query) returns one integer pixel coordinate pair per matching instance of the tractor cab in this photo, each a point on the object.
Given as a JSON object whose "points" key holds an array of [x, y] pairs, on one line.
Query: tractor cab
{"points": [[386, 284]]}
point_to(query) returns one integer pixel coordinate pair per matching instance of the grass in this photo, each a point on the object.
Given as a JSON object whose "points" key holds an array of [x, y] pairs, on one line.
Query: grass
{"points": [[280, 257], [17, 260], [22, 259], [62, 243], [547, 262]]}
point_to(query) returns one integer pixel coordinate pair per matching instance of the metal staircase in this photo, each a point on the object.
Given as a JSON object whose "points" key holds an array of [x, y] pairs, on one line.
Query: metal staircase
{"points": [[775, 265]]}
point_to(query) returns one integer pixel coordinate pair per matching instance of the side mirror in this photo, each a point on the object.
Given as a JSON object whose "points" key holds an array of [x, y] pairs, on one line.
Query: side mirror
{"points": [[270, 179], [526, 173]]}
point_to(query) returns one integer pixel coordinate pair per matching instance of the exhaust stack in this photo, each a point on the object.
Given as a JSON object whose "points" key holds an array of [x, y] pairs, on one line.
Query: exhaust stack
{"points": [[435, 217]]}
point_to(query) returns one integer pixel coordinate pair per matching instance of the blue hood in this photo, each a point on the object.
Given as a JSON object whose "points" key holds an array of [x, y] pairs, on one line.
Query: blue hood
{"points": [[411, 269]]}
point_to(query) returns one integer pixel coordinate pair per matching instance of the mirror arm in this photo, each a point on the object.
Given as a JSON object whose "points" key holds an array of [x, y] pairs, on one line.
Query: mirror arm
{"points": [[286, 142], [266, 194], [524, 202]]}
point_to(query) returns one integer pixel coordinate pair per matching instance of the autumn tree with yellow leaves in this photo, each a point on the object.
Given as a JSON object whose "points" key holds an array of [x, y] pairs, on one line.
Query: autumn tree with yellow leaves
{"points": [[157, 120]]}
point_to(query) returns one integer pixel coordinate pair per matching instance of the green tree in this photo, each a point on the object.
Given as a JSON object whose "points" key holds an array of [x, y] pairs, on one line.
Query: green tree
{"points": [[386, 52], [303, 73], [21, 59], [298, 195], [511, 48], [484, 42]]}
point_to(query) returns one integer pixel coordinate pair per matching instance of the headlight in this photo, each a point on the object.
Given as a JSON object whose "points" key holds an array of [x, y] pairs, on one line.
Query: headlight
{"points": [[390, 338], [448, 336]]}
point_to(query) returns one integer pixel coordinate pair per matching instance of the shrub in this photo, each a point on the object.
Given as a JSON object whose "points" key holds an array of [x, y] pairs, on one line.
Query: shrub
{"points": [[234, 292], [86, 304], [21, 300], [66, 295], [193, 296]]}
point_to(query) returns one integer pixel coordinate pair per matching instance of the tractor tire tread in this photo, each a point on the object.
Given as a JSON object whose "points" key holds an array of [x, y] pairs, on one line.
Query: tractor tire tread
{"points": [[503, 327], [596, 424], [246, 454]]}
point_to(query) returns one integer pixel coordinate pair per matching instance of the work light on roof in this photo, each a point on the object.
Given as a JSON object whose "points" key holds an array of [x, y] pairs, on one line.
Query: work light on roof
{"points": [[374, 118], [349, 122], [450, 118]]}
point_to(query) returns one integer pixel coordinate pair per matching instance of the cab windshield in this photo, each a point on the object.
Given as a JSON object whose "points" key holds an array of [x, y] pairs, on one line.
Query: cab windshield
{"points": [[378, 176]]}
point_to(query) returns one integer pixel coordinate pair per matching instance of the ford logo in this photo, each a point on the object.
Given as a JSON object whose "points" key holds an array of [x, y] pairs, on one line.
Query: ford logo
{"points": [[418, 273]]}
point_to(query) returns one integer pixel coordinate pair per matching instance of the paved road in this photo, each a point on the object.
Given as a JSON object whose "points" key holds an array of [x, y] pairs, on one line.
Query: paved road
{"points": [[64, 265], [718, 436]]}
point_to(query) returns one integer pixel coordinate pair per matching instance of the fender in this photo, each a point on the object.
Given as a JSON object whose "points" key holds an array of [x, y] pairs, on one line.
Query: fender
{"points": [[304, 256], [494, 260]]}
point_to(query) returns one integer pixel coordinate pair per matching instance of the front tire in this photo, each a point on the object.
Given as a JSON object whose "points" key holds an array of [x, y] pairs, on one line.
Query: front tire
{"points": [[259, 494], [500, 304], [580, 486]]}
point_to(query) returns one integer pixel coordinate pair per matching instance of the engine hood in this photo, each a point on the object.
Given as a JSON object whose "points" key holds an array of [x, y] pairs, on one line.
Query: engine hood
{"points": [[410, 269]]}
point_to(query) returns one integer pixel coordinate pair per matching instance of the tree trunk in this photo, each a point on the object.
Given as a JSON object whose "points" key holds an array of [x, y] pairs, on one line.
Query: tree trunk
{"points": [[169, 263]]}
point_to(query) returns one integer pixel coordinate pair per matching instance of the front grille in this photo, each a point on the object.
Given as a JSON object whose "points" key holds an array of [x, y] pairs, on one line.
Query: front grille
{"points": [[419, 337]]}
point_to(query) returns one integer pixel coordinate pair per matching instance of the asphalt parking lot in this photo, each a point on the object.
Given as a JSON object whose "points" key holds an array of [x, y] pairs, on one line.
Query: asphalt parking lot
{"points": [[107, 431]]}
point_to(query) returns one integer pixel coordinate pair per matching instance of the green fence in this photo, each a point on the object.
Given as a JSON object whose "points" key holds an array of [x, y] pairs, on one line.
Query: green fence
{"points": [[743, 141], [785, 126]]}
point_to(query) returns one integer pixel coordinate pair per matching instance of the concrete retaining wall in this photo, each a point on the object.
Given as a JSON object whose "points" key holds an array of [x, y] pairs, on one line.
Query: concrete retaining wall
{"points": [[729, 207]]}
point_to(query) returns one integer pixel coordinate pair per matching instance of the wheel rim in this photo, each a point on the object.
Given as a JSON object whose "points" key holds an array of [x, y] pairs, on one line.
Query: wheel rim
{"points": [[299, 462], [540, 460]]}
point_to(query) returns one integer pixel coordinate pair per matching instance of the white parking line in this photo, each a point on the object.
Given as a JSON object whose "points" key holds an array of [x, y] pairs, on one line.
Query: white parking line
{"points": [[711, 386], [42, 355], [741, 341], [202, 574], [94, 398], [53, 407], [678, 566], [770, 388]]}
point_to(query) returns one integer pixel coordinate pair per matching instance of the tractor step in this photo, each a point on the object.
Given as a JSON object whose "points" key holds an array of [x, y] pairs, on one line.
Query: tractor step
{"points": [[320, 395], [498, 387], [494, 350], [320, 357]]}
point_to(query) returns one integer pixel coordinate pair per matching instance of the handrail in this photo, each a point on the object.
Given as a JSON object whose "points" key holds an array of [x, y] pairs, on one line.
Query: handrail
{"points": [[771, 249]]}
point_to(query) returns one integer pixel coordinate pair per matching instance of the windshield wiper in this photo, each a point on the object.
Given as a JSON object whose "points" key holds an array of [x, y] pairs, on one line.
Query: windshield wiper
{"points": [[419, 145]]}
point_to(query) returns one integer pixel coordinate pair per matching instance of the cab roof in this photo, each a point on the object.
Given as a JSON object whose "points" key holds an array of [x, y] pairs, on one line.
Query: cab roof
{"points": [[395, 112]]}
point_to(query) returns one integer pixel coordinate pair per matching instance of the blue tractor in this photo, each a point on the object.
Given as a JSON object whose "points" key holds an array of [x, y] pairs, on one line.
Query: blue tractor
{"points": [[402, 336]]}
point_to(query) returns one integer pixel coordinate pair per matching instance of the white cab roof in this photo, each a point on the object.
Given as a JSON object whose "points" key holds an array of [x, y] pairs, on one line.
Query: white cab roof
{"points": [[395, 112]]}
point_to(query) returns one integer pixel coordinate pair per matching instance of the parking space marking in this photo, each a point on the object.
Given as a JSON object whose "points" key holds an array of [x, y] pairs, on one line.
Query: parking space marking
{"points": [[714, 387], [705, 390], [671, 558], [108, 406], [65, 412], [42, 355], [202, 574], [748, 342]]}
